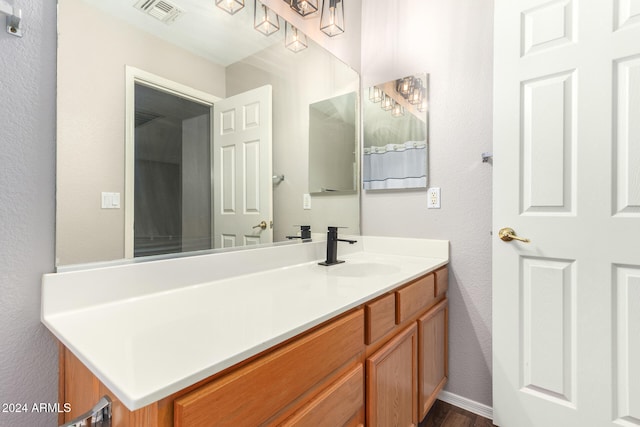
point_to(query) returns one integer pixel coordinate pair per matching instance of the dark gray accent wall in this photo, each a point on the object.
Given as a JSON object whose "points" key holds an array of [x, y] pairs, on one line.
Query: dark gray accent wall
{"points": [[28, 352]]}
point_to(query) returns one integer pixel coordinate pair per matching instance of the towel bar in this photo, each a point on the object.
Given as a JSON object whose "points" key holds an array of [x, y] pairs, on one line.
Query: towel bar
{"points": [[98, 416]]}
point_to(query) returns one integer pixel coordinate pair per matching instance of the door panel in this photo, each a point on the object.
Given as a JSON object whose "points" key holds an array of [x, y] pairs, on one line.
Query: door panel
{"points": [[567, 176], [242, 169]]}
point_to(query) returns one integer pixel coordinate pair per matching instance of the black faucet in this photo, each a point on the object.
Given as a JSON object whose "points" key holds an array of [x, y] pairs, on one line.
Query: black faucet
{"points": [[332, 247], [305, 234]]}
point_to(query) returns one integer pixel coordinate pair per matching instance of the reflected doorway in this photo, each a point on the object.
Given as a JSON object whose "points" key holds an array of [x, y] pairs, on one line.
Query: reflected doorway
{"points": [[168, 181], [172, 193]]}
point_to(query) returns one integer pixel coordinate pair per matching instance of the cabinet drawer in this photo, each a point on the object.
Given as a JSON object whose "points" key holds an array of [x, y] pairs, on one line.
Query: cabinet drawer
{"points": [[381, 317], [415, 297], [335, 406], [442, 281], [258, 391]]}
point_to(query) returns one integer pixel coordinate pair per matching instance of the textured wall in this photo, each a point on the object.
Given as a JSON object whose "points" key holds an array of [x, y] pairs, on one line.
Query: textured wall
{"points": [[452, 41], [28, 353]]}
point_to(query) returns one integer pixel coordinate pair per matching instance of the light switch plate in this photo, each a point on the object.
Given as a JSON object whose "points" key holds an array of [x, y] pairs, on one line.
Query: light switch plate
{"points": [[433, 198], [110, 200], [306, 201]]}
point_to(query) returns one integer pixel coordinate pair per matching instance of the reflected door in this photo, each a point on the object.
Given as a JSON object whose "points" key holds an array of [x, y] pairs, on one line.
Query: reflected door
{"points": [[566, 306], [242, 169]]}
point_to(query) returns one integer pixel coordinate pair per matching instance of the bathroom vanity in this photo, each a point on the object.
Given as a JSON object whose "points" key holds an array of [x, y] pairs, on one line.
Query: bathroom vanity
{"points": [[258, 337]]}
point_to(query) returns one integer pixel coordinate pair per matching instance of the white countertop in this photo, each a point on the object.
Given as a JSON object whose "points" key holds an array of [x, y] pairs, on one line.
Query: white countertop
{"points": [[148, 330]]}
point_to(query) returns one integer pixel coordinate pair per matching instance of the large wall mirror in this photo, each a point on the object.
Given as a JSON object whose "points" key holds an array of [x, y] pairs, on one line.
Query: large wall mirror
{"points": [[181, 128], [395, 134]]}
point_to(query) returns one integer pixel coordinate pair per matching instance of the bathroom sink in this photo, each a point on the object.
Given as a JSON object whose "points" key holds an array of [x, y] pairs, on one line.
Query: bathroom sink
{"points": [[362, 269]]}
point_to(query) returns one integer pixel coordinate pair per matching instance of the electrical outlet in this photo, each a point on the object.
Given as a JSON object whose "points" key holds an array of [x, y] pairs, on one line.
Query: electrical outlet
{"points": [[306, 201], [433, 198]]}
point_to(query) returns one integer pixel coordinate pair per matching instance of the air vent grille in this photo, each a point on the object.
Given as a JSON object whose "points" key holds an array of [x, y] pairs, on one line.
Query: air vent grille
{"points": [[159, 9]]}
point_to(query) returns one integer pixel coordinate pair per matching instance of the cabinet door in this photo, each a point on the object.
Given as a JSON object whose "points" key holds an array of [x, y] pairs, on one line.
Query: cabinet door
{"points": [[432, 355], [392, 382], [341, 404]]}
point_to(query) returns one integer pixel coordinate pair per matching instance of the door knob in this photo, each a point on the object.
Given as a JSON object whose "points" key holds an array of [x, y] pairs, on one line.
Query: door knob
{"points": [[262, 225], [508, 234]]}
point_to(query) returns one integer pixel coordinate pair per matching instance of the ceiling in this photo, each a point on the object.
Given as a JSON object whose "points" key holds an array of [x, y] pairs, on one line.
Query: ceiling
{"points": [[202, 28]]}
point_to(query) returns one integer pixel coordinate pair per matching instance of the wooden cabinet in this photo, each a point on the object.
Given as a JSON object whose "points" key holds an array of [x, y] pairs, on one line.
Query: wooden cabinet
{"points": [[258, 393], [392, 382], [341, 404], [380, 364], [432, 355], [394, 370]]}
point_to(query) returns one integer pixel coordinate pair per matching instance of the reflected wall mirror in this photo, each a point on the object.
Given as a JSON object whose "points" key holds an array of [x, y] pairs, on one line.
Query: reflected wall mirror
{"points": [[151, 158], [333, 143], [395, 134]]}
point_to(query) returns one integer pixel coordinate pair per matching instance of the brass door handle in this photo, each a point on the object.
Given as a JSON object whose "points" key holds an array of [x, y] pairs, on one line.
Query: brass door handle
{"points": [[262, 225], [508, 234]]}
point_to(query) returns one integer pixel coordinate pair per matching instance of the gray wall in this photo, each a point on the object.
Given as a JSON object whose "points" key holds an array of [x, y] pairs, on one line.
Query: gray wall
{"points": [[28, 352], [453, 42]]}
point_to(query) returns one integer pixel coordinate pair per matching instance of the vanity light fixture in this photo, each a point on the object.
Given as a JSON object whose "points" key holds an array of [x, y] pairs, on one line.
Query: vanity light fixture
{"points": [[404, 86], [332, 17], [397, 110], [230, 6], [265, 20], [375, 94], [417, 93], [423, 105], [294, 39], [387, 102], [303, 7]]}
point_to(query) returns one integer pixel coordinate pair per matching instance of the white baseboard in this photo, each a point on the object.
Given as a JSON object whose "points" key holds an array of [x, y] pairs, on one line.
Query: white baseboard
{"points": [[466, 404]]}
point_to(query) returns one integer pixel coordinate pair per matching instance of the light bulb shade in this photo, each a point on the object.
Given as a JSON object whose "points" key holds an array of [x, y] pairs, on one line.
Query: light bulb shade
{"points": [[304, 7], [332, 18], [404, 86], [294, 39], [423, 105], [230, 6], [387, 102], [417, 93], [375, 94], [265, 20], [397, 110]]}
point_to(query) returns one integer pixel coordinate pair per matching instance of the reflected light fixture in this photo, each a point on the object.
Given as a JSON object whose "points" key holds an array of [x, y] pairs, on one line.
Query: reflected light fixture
{"points": [[265, 20], [404, 86], [230, 6], [294, 39], [304, 7], [423, 105], [387, 102], [332, 17], [397, 110], [375, 94], [417, 94]]}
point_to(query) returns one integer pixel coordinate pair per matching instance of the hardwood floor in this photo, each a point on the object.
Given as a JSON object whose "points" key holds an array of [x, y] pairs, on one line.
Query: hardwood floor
{"points": [[443, 414]]}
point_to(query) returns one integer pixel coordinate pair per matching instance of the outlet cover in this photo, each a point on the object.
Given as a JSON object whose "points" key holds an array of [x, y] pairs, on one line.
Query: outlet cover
{"points": [[306, 201], [433, 198]]}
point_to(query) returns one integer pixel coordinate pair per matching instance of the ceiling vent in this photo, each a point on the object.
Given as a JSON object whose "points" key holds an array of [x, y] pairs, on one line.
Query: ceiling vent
{"points": [[159, 9]]}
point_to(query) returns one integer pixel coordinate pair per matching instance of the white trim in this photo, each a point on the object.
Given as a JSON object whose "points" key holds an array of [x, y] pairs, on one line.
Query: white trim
{"points": [[466, 404], [132, 76]]}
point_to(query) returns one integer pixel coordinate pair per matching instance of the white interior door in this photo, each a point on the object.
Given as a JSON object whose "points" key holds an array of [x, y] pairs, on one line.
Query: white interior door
{"points": [[242, 177], [566, 311]]}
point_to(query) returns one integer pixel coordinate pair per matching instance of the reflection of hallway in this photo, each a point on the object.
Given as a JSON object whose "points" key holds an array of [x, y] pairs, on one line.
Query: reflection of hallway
{"points": [[172, 206]]}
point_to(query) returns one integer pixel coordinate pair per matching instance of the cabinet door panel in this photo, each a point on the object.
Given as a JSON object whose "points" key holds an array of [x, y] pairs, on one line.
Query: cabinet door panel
{"points": [[432, 359], [381, 318], [260, 390], [335, 406], [392, 382], [415, 297]]}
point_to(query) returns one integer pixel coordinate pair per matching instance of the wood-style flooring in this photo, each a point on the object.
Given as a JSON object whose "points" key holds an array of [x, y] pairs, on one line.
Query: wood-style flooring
{"points": [[443, 414]]}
